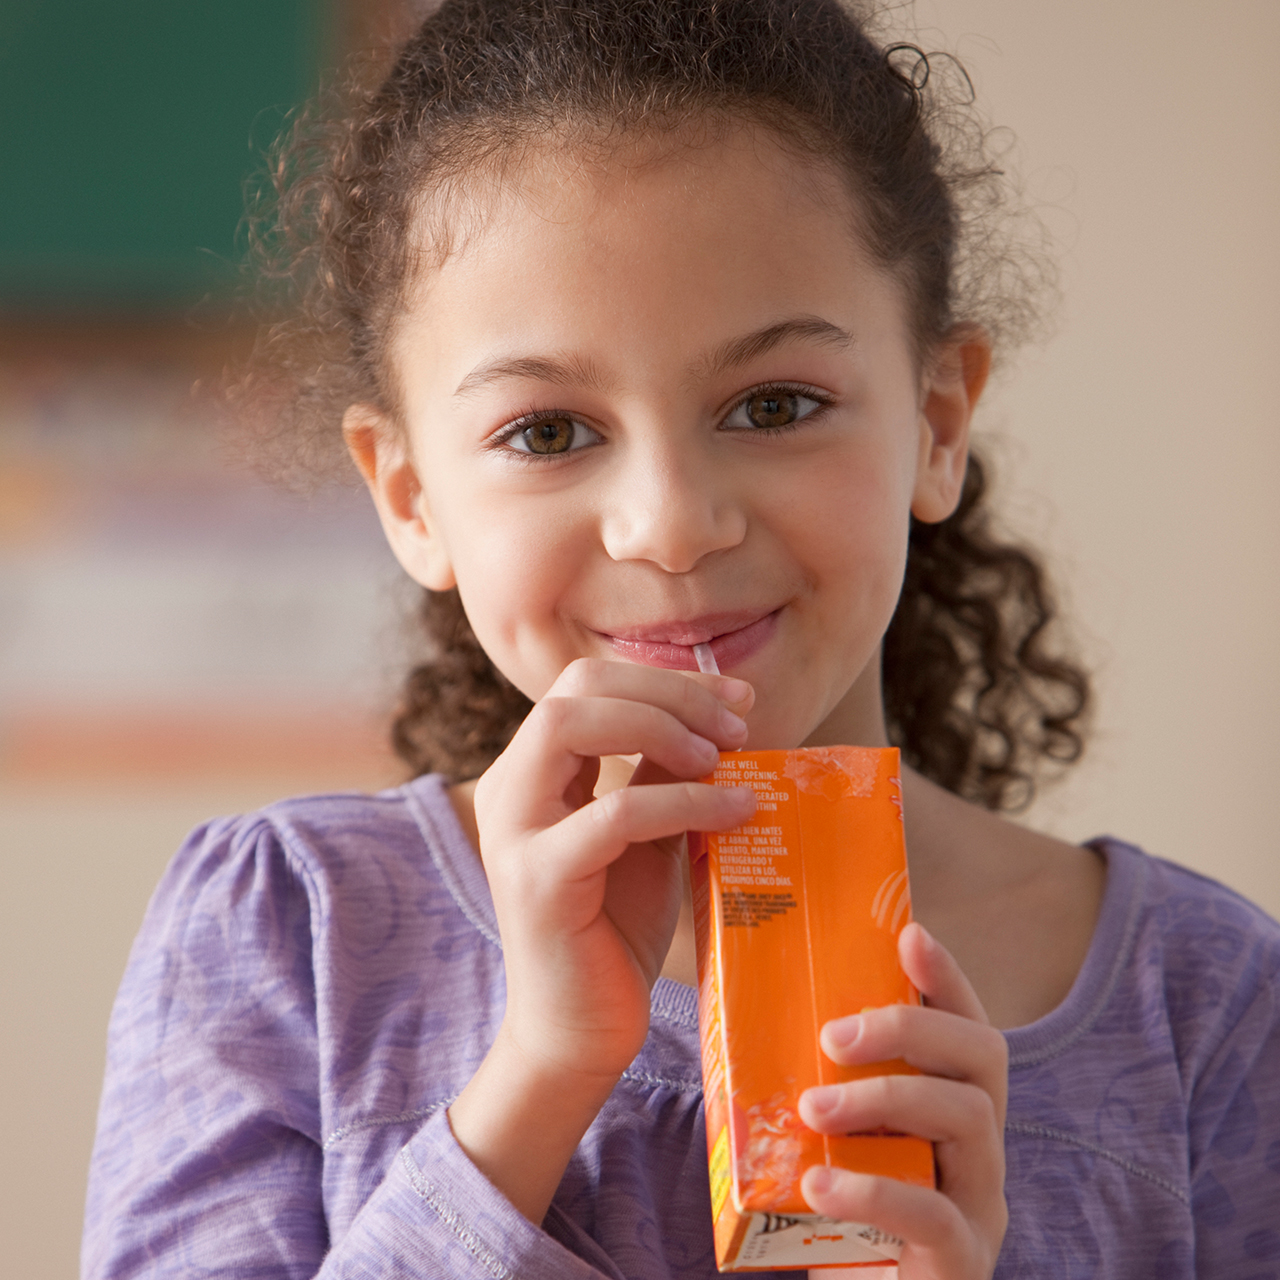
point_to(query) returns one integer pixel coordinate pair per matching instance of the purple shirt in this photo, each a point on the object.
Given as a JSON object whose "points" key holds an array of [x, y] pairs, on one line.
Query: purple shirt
{"points": [[315, 983]]}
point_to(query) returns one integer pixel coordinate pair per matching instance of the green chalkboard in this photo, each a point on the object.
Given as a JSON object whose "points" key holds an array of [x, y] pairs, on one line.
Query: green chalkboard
{"points": [[127, 129]]}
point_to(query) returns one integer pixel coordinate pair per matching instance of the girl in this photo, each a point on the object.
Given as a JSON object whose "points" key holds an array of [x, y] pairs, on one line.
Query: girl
{"points": [[655, 323]]}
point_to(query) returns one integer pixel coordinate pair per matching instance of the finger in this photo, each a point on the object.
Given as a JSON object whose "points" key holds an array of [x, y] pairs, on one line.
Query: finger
{"points": [[547, 752], [916, 1214], [692, 693], [927, 1106], [960, 1119], [936, 975], [936, 1042], [589, 839]]}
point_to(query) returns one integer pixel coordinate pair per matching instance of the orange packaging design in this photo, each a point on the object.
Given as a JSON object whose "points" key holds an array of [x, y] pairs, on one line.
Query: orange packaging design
{"points": [[797, 916]]}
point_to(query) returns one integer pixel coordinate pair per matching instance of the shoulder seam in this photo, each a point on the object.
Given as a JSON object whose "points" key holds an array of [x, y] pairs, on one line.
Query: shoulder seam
{"points": [[1129, 1166], [301, 868]]}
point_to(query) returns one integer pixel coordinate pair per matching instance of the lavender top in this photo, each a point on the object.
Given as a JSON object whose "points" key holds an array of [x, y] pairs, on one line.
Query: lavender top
{"points": [[313, 984]]}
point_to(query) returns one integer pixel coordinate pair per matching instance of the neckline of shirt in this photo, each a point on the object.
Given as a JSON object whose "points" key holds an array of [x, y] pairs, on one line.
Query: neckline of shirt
{"points": [[1109, 953], [1109, 948], [463, 875]]}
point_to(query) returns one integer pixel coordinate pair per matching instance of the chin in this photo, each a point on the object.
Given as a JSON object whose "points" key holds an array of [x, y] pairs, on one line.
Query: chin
{"points": [[778, 732]]}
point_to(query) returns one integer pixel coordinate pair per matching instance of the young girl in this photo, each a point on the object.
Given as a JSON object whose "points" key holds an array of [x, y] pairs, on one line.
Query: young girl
{"points": [[649, 324]]}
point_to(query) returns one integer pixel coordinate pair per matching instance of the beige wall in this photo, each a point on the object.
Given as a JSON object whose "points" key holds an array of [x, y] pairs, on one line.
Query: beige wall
{"points": [[1141, 445]]}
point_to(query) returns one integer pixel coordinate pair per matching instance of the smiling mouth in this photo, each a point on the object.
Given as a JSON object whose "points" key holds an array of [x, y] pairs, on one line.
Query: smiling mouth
{"points": [[733, 638]]}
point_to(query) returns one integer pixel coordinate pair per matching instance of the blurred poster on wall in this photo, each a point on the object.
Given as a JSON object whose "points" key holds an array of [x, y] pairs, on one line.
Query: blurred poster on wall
{"points": [[165, 612]]}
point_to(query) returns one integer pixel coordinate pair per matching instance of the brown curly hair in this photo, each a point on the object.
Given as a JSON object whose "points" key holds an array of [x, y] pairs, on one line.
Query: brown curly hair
{"points": [[973, 694]]}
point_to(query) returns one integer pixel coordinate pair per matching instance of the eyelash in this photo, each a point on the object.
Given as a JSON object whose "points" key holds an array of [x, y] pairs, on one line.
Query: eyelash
{"points": [[532, 416], [528, 418], [822, 401]]}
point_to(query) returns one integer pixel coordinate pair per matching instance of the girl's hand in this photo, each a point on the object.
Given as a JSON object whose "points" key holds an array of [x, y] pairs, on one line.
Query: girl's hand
{"points": [[953, 1233], [587, 892]]}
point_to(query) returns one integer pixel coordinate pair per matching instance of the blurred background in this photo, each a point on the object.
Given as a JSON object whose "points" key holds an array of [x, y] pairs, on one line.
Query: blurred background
{"points": [[178, 639]]}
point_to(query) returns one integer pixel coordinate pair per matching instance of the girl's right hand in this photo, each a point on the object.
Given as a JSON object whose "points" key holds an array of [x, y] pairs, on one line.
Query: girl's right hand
{"points": [[587, 892]]}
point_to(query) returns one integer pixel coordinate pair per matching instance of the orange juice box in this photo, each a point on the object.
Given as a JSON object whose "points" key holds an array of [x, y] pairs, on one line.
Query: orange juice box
{"points": [[797, 916]]}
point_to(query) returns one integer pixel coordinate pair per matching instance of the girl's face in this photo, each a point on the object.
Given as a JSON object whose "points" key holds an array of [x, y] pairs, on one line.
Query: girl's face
{"points": [[664, 401]]}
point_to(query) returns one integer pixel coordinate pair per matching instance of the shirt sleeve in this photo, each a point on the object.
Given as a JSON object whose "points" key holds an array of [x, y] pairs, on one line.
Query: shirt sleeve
{"points": [[1235, 1139], [208, 1158]]}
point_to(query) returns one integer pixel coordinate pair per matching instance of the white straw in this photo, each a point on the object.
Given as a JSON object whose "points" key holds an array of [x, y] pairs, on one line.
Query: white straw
{"points": [[706, 659]]}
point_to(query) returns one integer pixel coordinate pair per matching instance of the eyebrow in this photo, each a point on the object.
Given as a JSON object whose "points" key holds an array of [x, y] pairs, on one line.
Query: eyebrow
{"points": [[739, 351], [571, 372], [583, 373]]}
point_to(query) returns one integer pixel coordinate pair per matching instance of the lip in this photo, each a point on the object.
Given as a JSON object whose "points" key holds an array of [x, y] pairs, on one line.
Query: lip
{"points": [[733, 638]]}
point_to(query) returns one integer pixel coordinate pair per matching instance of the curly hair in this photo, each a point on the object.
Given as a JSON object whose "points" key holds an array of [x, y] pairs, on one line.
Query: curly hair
{"points": [[973, 694]]}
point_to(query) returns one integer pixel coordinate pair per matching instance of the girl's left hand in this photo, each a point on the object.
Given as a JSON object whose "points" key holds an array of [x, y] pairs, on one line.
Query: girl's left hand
{"points": [[955, 1232]]}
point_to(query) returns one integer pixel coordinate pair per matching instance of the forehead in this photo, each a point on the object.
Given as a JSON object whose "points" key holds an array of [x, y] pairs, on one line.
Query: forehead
{"points": [[663, 243]]}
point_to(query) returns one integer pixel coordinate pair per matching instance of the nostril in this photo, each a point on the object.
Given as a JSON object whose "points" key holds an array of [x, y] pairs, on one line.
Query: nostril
{"points": [[674, 533]]}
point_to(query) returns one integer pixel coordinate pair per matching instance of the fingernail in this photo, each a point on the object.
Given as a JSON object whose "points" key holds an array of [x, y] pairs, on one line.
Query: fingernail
{"points": [[845, 1031], [823, 1099], [731, 726], [820, 1179], [735, 690], [706, 749]]}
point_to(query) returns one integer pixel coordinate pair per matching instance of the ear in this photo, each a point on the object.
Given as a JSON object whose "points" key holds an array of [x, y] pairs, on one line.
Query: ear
{"points": [[381, 453], [955, 381]]}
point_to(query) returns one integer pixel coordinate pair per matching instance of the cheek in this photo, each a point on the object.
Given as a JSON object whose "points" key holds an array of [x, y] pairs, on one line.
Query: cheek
{"points": [[865, 564], [853, 518], [515, 568]]}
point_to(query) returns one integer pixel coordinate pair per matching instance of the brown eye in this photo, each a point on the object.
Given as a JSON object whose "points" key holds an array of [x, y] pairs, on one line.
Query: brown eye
{"points": [[775, 409], [551, 435], [772, 409]]}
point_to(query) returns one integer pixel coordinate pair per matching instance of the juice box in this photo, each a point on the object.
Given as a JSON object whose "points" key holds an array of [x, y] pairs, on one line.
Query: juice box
{"points": [[797, 916]]}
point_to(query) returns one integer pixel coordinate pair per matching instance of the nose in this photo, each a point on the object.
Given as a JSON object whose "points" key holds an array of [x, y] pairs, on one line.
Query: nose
{"points": [[671, 511]]}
